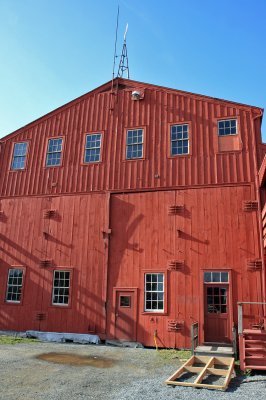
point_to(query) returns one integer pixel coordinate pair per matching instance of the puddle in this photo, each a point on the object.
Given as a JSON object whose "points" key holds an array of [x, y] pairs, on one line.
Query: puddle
{"points": [[76, 360]]}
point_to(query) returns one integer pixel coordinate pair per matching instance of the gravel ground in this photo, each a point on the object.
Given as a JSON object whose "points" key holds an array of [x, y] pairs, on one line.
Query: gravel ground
{"points": [[53, 371]]}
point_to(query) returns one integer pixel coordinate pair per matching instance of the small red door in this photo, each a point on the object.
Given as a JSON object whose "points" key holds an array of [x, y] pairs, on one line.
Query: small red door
{"points": [[217, 326], [125, 315]]}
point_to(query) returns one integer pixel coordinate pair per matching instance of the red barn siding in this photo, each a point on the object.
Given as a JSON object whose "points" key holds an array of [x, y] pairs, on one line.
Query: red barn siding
{"points": [[214, 233], [74, 242], [159, 108], [112, 222]]}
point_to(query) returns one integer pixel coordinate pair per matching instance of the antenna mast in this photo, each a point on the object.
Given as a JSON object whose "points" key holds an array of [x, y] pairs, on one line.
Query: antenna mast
{"points": [[123, 65]]}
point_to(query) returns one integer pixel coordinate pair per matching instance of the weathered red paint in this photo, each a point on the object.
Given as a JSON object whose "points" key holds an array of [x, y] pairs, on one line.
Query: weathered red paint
{"points": [[112, 221]]}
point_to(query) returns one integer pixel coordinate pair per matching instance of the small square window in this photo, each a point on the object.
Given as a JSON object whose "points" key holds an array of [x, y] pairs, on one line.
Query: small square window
{"points": [[93, 148], [19, 156], [134, 144], [54, 152], [125, 301], [227, 127]]}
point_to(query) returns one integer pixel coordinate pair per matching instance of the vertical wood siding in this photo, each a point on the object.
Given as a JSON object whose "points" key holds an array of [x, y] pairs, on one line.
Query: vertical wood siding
{"points": [[73, 241], [214, 233], [205, 165]]}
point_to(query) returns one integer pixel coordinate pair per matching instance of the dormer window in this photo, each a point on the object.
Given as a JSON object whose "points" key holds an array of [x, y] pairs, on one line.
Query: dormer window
{"points": [[19, 156], [54, 152], [227, 127]]}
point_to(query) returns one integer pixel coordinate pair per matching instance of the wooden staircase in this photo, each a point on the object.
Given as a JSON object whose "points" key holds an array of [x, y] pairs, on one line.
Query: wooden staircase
{"points": [[252, 349]]}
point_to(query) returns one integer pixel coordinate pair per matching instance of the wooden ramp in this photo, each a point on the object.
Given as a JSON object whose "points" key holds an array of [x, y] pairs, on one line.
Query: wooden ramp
{"points": [[205, 372]]}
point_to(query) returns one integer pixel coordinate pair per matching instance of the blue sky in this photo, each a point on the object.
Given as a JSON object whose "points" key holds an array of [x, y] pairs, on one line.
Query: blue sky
{"points": [[54, 51]]}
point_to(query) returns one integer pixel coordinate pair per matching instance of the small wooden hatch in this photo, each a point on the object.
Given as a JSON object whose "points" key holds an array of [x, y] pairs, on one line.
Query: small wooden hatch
{"points": [[204, 372]]}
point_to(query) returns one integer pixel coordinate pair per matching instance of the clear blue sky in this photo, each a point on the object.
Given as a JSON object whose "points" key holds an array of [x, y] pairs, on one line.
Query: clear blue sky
{"points": [[52, 51]]}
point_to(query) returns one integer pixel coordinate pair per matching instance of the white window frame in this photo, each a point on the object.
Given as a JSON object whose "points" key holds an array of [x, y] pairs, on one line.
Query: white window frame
{"points": [[134, 143], [152, 295], [219, 277], [230, 127], [93, 148], [14, 285], [181, 138], [19, 156], [48, 153], [61, 290]]}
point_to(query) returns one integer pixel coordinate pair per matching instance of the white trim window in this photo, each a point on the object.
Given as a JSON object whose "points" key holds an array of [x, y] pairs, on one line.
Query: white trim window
{"points": [[154, 292], [93, 148], [14, 285], [54, 152], [227, 127], [134, 145], [179, 139], [216, 277], [61, 288], [19, 155]]}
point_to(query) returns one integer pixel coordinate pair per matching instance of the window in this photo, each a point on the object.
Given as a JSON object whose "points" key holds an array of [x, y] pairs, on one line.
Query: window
{"points": [[93, 148], [216, 277], [19, 155], [134, 145], [227, 127], [125, 301], [154, 292], [54, 152], [14, 285], [61, 287], [179, 139]]}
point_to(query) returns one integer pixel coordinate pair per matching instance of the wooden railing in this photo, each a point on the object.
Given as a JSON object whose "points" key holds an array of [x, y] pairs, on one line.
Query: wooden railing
{"points": [[194, 336]]}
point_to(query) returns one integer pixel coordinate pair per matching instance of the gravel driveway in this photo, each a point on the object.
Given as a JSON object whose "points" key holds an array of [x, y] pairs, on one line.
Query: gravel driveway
{"points": [[53, 371]]}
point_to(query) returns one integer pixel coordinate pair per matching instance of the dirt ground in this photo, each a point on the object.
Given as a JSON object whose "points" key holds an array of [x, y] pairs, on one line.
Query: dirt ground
{"points": [[52, 371]]}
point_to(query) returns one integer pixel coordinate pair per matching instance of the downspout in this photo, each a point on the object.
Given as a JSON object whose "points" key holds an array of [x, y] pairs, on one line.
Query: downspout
{"points": [[257, 187], [106, 236]]}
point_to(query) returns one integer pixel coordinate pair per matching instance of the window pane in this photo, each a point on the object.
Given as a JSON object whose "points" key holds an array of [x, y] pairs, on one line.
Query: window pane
{"points": [[14, 285], [93, 148], [179, 139], [224, 277], [19, 156], [216, 276], [54, 152], [154, 295], [61, 286], [207, 276], [227, 127], [134, 144]]}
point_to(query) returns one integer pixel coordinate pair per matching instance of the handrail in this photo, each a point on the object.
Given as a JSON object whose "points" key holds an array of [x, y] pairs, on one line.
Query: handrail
{"points": [[240, 313]]}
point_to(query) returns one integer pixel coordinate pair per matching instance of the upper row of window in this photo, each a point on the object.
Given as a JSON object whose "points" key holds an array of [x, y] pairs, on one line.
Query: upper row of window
{"points": [[179, 145]]}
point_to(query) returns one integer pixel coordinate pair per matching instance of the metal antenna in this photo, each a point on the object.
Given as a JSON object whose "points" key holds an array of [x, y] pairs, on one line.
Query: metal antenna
{"points": [[115, 56], [123, 65]]}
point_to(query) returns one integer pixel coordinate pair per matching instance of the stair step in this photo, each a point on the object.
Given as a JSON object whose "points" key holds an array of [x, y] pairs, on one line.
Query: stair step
{"points": [[260, 367], [222, 351]]}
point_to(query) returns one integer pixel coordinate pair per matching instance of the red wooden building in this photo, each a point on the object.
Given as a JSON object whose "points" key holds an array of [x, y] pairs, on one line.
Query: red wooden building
{"points": [[131, 210]]}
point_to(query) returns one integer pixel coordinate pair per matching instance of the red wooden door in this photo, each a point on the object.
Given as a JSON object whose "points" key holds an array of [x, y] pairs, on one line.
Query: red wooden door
{"points": [[216, 326], [125, 312]]}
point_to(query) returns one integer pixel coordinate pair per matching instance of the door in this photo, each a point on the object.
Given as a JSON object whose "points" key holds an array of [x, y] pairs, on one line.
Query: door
{"points": [[125, 315], [216, 309]]}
